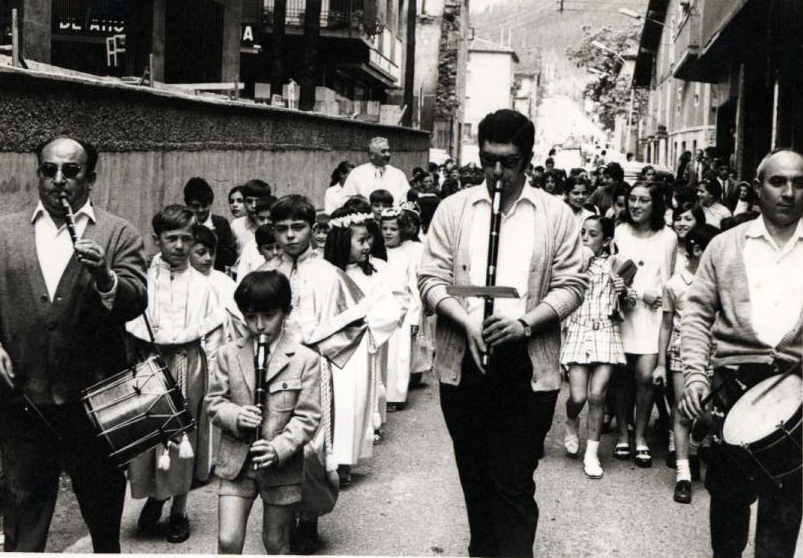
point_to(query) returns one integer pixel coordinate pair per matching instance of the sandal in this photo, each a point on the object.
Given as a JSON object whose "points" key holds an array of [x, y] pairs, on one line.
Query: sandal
{"points": [[622, 451], [643, 458]]}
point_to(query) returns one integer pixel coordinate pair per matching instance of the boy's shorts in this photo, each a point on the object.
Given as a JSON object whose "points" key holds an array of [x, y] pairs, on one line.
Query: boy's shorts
{"points": [[249, 484]]}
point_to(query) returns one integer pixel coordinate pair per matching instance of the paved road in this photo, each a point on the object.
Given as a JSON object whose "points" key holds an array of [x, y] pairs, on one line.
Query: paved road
{"points": [[406, 500]]}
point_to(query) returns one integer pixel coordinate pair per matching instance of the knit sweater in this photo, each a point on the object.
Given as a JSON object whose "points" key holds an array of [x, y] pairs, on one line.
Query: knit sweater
{"points": [[719, 297], [555, 279]]}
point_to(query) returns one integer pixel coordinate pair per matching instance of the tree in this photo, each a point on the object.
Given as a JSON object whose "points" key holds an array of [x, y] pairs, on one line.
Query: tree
{"points": [[610, 91]]}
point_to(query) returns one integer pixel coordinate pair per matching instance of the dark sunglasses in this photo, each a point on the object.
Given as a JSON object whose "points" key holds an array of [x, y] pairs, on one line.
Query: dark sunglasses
{"points": [[507, 161], [69, 170]]}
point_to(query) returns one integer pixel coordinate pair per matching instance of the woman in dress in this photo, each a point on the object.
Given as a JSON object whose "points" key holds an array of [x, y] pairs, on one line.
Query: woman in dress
{"points": [[644, 239]]}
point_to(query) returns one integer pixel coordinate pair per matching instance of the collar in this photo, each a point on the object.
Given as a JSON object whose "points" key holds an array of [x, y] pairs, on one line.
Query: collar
{"points": [[480, 193], [87, 210], [757, 228], [208, 223], [382, 168], [308, 254], [160, 263], [686, 275]]}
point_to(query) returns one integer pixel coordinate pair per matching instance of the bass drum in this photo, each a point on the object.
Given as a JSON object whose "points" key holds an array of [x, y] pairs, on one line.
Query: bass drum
{"points": [[763, 428]]}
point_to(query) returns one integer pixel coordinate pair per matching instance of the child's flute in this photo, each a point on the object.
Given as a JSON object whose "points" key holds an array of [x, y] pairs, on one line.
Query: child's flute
{"points": [[69, 218], [261, 368]]}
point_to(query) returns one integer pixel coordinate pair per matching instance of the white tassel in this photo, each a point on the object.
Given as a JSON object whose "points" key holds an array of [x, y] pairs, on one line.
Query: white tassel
{"points": [[185, 448], [164, 459]]}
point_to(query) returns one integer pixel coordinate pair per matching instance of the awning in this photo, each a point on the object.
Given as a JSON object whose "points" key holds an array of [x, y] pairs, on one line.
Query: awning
{"points": [[370, 73]]}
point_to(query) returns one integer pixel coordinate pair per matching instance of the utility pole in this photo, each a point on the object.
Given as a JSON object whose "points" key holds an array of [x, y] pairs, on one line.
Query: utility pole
{"points": [[409, 68], [309, 69]]}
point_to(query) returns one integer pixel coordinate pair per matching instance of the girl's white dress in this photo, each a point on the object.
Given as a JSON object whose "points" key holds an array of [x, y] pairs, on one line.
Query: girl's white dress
{"points": [[654, 257], [357, 385], [403, 262]]}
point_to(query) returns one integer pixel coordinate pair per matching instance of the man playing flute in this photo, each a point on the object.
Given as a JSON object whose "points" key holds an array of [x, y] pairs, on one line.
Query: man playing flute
{"points": [[63, 310], [499, 414]]}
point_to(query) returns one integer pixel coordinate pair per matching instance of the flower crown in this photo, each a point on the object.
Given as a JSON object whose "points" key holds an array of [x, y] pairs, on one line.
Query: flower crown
{"points": [[349, 220], [410, 206], [390, 213]]}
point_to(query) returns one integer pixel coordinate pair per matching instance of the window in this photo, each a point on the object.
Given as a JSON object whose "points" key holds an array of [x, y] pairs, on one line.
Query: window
{"points": [[697, 86]]}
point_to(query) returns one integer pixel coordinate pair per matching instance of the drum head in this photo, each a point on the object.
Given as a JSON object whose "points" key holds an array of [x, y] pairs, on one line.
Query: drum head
{"points": [[758, 412]]}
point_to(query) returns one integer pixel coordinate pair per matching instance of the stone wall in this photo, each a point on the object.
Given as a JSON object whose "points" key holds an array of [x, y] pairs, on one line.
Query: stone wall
{"points": [[151, 141]]}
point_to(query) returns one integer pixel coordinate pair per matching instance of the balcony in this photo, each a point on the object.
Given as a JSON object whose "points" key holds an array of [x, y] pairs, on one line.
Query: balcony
{"points": [[335, 14], [687, 46]]}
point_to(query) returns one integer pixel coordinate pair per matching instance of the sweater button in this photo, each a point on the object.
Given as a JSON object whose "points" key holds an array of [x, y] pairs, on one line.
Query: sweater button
{"points": [[284, 385], [44, 298]]}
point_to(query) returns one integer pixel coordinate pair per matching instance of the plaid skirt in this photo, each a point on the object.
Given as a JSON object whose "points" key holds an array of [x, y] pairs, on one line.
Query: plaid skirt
{"points": [[592, 342], [675, 364]]}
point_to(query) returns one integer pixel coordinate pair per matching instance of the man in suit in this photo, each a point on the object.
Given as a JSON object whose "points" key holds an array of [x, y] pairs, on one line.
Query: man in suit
{"points": [[198, 196], [694, 170], [62, 314]]}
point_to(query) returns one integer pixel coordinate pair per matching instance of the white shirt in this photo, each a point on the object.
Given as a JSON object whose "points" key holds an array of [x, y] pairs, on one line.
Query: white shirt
{"points": [[334, 197], [54, 248], [515, 252], [243, 229], [773, 281], [250, 260], [366, 178]]}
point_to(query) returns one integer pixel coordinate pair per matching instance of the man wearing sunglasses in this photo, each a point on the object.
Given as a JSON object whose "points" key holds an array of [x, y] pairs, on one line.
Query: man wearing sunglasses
{"points": [[499, 414], [62, 313]]}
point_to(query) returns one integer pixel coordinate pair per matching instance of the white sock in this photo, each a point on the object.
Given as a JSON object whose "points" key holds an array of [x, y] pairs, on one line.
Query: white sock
{"points": [[592, 448], [683, 470], [572, 425]]}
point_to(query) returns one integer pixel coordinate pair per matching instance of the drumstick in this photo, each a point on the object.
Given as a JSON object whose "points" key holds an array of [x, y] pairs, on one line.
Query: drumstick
{"points": [[781, 378]]}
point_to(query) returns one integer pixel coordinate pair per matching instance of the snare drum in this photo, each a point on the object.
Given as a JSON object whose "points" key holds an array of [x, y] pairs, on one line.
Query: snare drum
{"points": [[137, 409], [762, 430]]}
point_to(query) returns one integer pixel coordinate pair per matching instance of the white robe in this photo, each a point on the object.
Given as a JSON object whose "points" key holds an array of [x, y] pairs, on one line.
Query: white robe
{"points": [[356, 385], [403, 262]]}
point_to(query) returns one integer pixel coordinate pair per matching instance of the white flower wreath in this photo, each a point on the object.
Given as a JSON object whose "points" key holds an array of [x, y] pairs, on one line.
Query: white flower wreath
{"points": [[348, 220]]}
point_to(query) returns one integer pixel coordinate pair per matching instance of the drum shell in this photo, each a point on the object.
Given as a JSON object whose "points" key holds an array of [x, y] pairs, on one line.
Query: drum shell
{"points": [[137, 409], [775, 455]]}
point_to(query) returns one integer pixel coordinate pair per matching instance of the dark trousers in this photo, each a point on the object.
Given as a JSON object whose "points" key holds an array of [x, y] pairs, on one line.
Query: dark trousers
{"points": [[732, 493], [498, 424], [33, 460]]}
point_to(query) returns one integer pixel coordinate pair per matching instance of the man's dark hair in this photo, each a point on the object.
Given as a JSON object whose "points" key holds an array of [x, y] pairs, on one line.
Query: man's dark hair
{"points": [[549, 161], [699, 235], [293, 206], [205, 236], [90, 150], [172, 217], [198, 189], [264, 235], [508, 126], [256, 188], [381, 196], [263, 291], [615, 171]]}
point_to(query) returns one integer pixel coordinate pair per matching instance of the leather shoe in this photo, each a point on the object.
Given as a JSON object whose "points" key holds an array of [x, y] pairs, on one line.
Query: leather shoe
{"points": [[150, 515], [178, 528], [683, 492]]}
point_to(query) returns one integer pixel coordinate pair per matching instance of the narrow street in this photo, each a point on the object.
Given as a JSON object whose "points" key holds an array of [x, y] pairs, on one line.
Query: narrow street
{"points": [[406, 500]]}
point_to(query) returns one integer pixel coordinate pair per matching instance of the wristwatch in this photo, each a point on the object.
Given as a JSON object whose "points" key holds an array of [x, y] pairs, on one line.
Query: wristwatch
{"points": [[528, 332]]}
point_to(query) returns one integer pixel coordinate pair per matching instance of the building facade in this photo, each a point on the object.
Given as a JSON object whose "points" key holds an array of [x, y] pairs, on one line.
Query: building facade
{"points": [[738, 61]]}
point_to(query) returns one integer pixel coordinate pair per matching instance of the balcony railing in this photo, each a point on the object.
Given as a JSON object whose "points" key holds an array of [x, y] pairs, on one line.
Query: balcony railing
{"points": [[335, 14], [687, 45]]}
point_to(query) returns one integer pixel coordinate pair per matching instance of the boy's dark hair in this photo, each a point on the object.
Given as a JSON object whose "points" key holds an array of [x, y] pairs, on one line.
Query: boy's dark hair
{"points": [[508, 126], [538, 168], [263, 291], [172, 217], [264, 235], [657, 221], [198, 189], [699, 236], [256, 188], [205, 236], [293, 206], [234, 190], [549, 161], [381, 196], [264, 204], [90, 150], [572, 181]]}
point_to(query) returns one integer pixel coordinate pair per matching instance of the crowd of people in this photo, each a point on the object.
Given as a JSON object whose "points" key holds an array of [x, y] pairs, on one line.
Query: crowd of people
{"points": [[344, 309]]}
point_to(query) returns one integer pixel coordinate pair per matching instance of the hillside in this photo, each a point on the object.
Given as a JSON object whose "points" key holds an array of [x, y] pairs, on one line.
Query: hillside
{"points": [[534, 27]]}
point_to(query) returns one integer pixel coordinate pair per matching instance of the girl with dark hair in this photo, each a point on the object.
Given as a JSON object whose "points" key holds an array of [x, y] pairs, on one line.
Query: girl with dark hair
{"points": [[747, 201], [685, 217], [644, 239], [593, 345], [404, 257], [357, 387], [336, 194]]}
